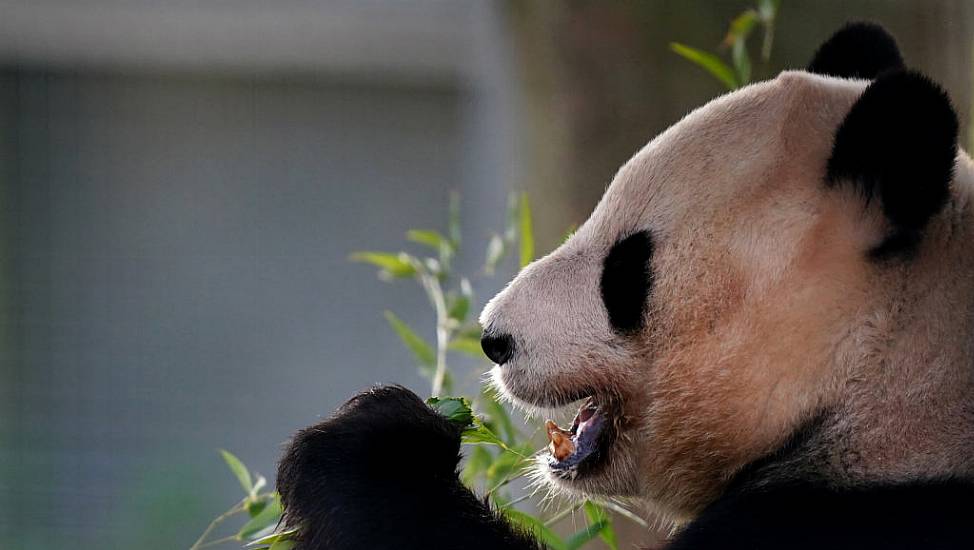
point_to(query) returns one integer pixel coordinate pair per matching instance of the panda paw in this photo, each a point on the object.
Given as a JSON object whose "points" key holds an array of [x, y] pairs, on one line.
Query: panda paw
{"points": [[382, 473], [375, 436]]}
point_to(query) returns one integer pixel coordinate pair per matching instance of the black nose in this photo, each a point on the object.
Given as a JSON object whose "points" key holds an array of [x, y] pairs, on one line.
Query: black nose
{"points": [[498, 347]]}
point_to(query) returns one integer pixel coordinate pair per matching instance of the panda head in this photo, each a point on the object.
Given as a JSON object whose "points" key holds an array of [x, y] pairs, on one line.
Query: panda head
{"points": [[739, 276]]}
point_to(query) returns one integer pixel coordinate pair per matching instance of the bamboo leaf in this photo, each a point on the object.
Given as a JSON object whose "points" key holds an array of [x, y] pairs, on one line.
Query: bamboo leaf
{"points": [[478, 460], [498, 414], [741, 27], [391, 265], [596, 513], [456, 409], [457, 307], [480, 433], [428, 237], [282, 544], [468, 346], [742, 61], [579, 539], [239, 470], [536, 527], [708, 62], [274, 537], [422, 351], [269, 516]]}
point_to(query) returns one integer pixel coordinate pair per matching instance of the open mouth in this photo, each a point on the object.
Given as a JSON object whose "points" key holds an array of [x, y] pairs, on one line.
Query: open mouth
{"points": [[583, 446]]}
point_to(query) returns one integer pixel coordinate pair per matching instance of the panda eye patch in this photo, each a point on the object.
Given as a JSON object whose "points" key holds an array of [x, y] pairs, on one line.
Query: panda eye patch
{"points": [[627, 280]]}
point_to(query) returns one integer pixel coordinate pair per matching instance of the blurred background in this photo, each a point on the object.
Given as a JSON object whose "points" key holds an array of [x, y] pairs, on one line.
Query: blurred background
{"points": [[182, 183]]}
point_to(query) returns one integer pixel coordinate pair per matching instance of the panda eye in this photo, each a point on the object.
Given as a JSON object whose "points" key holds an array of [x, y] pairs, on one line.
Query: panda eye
{"points": [[627, 280]]}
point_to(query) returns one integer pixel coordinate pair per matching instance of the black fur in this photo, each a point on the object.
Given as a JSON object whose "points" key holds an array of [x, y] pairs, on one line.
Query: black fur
{"points": [[381, 473], [897, 145], [627, 280], [915, 516], [783, 501], [857, 50]]}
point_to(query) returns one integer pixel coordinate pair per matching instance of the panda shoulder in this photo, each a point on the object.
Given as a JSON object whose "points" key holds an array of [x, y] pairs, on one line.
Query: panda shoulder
{"points": [[931, 514]]}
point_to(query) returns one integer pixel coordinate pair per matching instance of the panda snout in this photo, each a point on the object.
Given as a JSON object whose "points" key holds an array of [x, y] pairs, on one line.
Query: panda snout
{"points": [[497, 346]]}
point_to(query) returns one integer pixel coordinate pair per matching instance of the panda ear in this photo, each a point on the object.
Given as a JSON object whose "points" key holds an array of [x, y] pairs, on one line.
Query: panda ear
{"points": [[857, 50], [898, 145]]}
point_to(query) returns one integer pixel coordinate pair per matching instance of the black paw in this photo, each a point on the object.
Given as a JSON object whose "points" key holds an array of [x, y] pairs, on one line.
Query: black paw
{"points": [[385, 439], [382, 473]]}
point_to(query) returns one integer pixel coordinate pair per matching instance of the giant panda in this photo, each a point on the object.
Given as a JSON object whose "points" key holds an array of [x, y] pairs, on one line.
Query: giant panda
{"points": [[767, 321]]}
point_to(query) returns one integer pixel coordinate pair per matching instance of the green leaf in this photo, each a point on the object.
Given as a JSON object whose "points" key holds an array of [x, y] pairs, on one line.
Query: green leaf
{"points": [[579, 539], [478, 460], [525, 231], [434, 240], [709, 62], [597, 514], [741, 27], [468, 346], [422, 351], [239, 470], [457, 307], [481, 434], [470, 330], [496, 250], [428, 237], [742, 61], [628, 514], [256, 505], [536, 527], [270, 515], [505, 466], [391, 265], [456, 409], [282, 545], [498, 414], [274, 537]]}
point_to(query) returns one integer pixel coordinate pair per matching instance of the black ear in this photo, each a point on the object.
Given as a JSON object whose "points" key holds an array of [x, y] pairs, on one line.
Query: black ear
{"points": [[897, 145], [857, 50]]}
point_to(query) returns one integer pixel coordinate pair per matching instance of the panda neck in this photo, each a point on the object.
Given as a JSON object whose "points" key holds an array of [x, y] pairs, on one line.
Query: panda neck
{"points": [[905, 410]]}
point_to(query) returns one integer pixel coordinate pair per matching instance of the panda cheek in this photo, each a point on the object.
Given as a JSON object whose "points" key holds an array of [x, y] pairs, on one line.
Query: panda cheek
{"points": [[626, 282]]}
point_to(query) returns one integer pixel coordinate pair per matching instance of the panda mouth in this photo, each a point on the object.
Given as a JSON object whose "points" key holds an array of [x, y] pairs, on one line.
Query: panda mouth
{"points": [[583, 446]]}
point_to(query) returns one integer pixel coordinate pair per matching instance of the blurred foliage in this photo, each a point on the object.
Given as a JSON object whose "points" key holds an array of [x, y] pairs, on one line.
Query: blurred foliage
{"points": [[739, 72]]}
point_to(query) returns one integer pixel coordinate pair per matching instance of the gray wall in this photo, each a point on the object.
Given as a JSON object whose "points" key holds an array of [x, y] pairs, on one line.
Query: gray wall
{"points": [[177, 280]]}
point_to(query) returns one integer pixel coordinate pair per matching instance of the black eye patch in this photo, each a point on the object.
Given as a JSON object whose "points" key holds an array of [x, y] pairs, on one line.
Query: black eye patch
{"points": [[627, 280]]}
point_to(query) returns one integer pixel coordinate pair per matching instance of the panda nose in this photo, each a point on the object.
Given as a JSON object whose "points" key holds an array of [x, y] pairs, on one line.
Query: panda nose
{"points": [[498, 346]]}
